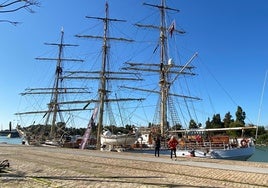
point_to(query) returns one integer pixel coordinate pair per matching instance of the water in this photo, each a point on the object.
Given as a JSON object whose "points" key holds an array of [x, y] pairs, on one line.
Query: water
{"points": [[5, 139], [260, 155]]}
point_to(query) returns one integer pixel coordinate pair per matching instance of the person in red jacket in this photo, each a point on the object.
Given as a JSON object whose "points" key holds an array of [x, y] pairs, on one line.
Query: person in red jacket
{"points": [[172, 144]]}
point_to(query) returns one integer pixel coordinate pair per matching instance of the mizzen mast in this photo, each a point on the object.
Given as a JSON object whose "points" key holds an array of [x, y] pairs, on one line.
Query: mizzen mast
{"points": [[165, 67]]}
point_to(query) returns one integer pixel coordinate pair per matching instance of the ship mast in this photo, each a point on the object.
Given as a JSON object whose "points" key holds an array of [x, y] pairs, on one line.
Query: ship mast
{"points": [[54, 109], [163, 82], [102, 89], [104, 74], [53, 105], [164, 68]]}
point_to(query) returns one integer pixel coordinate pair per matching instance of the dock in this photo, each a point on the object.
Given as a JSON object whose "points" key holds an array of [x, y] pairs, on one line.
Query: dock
{"points": [[61, 167]]}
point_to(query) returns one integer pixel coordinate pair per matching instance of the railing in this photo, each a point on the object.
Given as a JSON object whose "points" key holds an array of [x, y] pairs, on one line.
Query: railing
{"points": [[204, 146]]}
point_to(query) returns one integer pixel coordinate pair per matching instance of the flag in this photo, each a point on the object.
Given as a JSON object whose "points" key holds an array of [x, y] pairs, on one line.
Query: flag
{"points": [[171, 28], [89, 127]]}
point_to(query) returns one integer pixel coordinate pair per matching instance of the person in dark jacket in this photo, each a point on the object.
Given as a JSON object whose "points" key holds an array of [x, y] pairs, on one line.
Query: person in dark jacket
{"points": [[157, 146]]}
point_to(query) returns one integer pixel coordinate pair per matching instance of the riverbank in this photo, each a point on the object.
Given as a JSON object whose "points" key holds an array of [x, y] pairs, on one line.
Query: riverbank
{"points": [[59, 167], [260, 155]]}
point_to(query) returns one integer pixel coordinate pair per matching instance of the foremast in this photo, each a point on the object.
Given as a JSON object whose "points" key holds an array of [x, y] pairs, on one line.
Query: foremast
{"points": [[54, 109]]}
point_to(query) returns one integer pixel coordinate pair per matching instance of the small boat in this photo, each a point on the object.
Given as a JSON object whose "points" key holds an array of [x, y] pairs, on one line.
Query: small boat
{"points": [[107, 138], [198, 143]]}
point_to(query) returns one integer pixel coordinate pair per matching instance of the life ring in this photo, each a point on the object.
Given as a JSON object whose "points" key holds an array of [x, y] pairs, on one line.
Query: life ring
{"points": [[244, 143]]}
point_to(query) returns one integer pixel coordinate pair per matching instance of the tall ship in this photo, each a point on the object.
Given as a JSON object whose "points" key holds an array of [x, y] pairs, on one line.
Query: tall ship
{"points": [[102, 77], [169, 84]]}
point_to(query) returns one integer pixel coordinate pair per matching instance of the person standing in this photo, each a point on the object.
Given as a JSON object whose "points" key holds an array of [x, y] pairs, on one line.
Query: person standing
{"points": [[157, 146], [172, 144]]}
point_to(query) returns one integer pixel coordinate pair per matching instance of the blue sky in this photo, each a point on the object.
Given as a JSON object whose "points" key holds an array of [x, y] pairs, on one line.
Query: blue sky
{"points": [[231, 38]]}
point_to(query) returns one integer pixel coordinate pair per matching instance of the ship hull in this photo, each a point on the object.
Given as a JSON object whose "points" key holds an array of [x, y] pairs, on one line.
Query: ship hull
{"points": [[233, 153], [119, 140]]}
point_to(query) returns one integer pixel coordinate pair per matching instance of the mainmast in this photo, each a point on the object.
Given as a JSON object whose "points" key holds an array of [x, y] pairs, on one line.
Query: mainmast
{"points": [[104, 74], [102, 89], [163, 82]]}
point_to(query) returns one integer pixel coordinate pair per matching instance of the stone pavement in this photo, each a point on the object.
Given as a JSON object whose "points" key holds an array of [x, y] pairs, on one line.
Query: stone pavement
{"points": [[60, 167], [206, 163]]}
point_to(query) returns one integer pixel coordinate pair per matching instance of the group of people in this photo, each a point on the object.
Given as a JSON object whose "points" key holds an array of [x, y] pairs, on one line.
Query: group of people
{"points": [[172, 144]]}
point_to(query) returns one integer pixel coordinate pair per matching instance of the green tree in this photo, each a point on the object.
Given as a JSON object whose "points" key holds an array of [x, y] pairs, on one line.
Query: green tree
{"points": [[239, 122], [261, 130], [177, 127], [199, 125], [208, 124], [263, 139], [240, 116], [216, 121], [235, 133], [193, 124], [227, 120]]}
